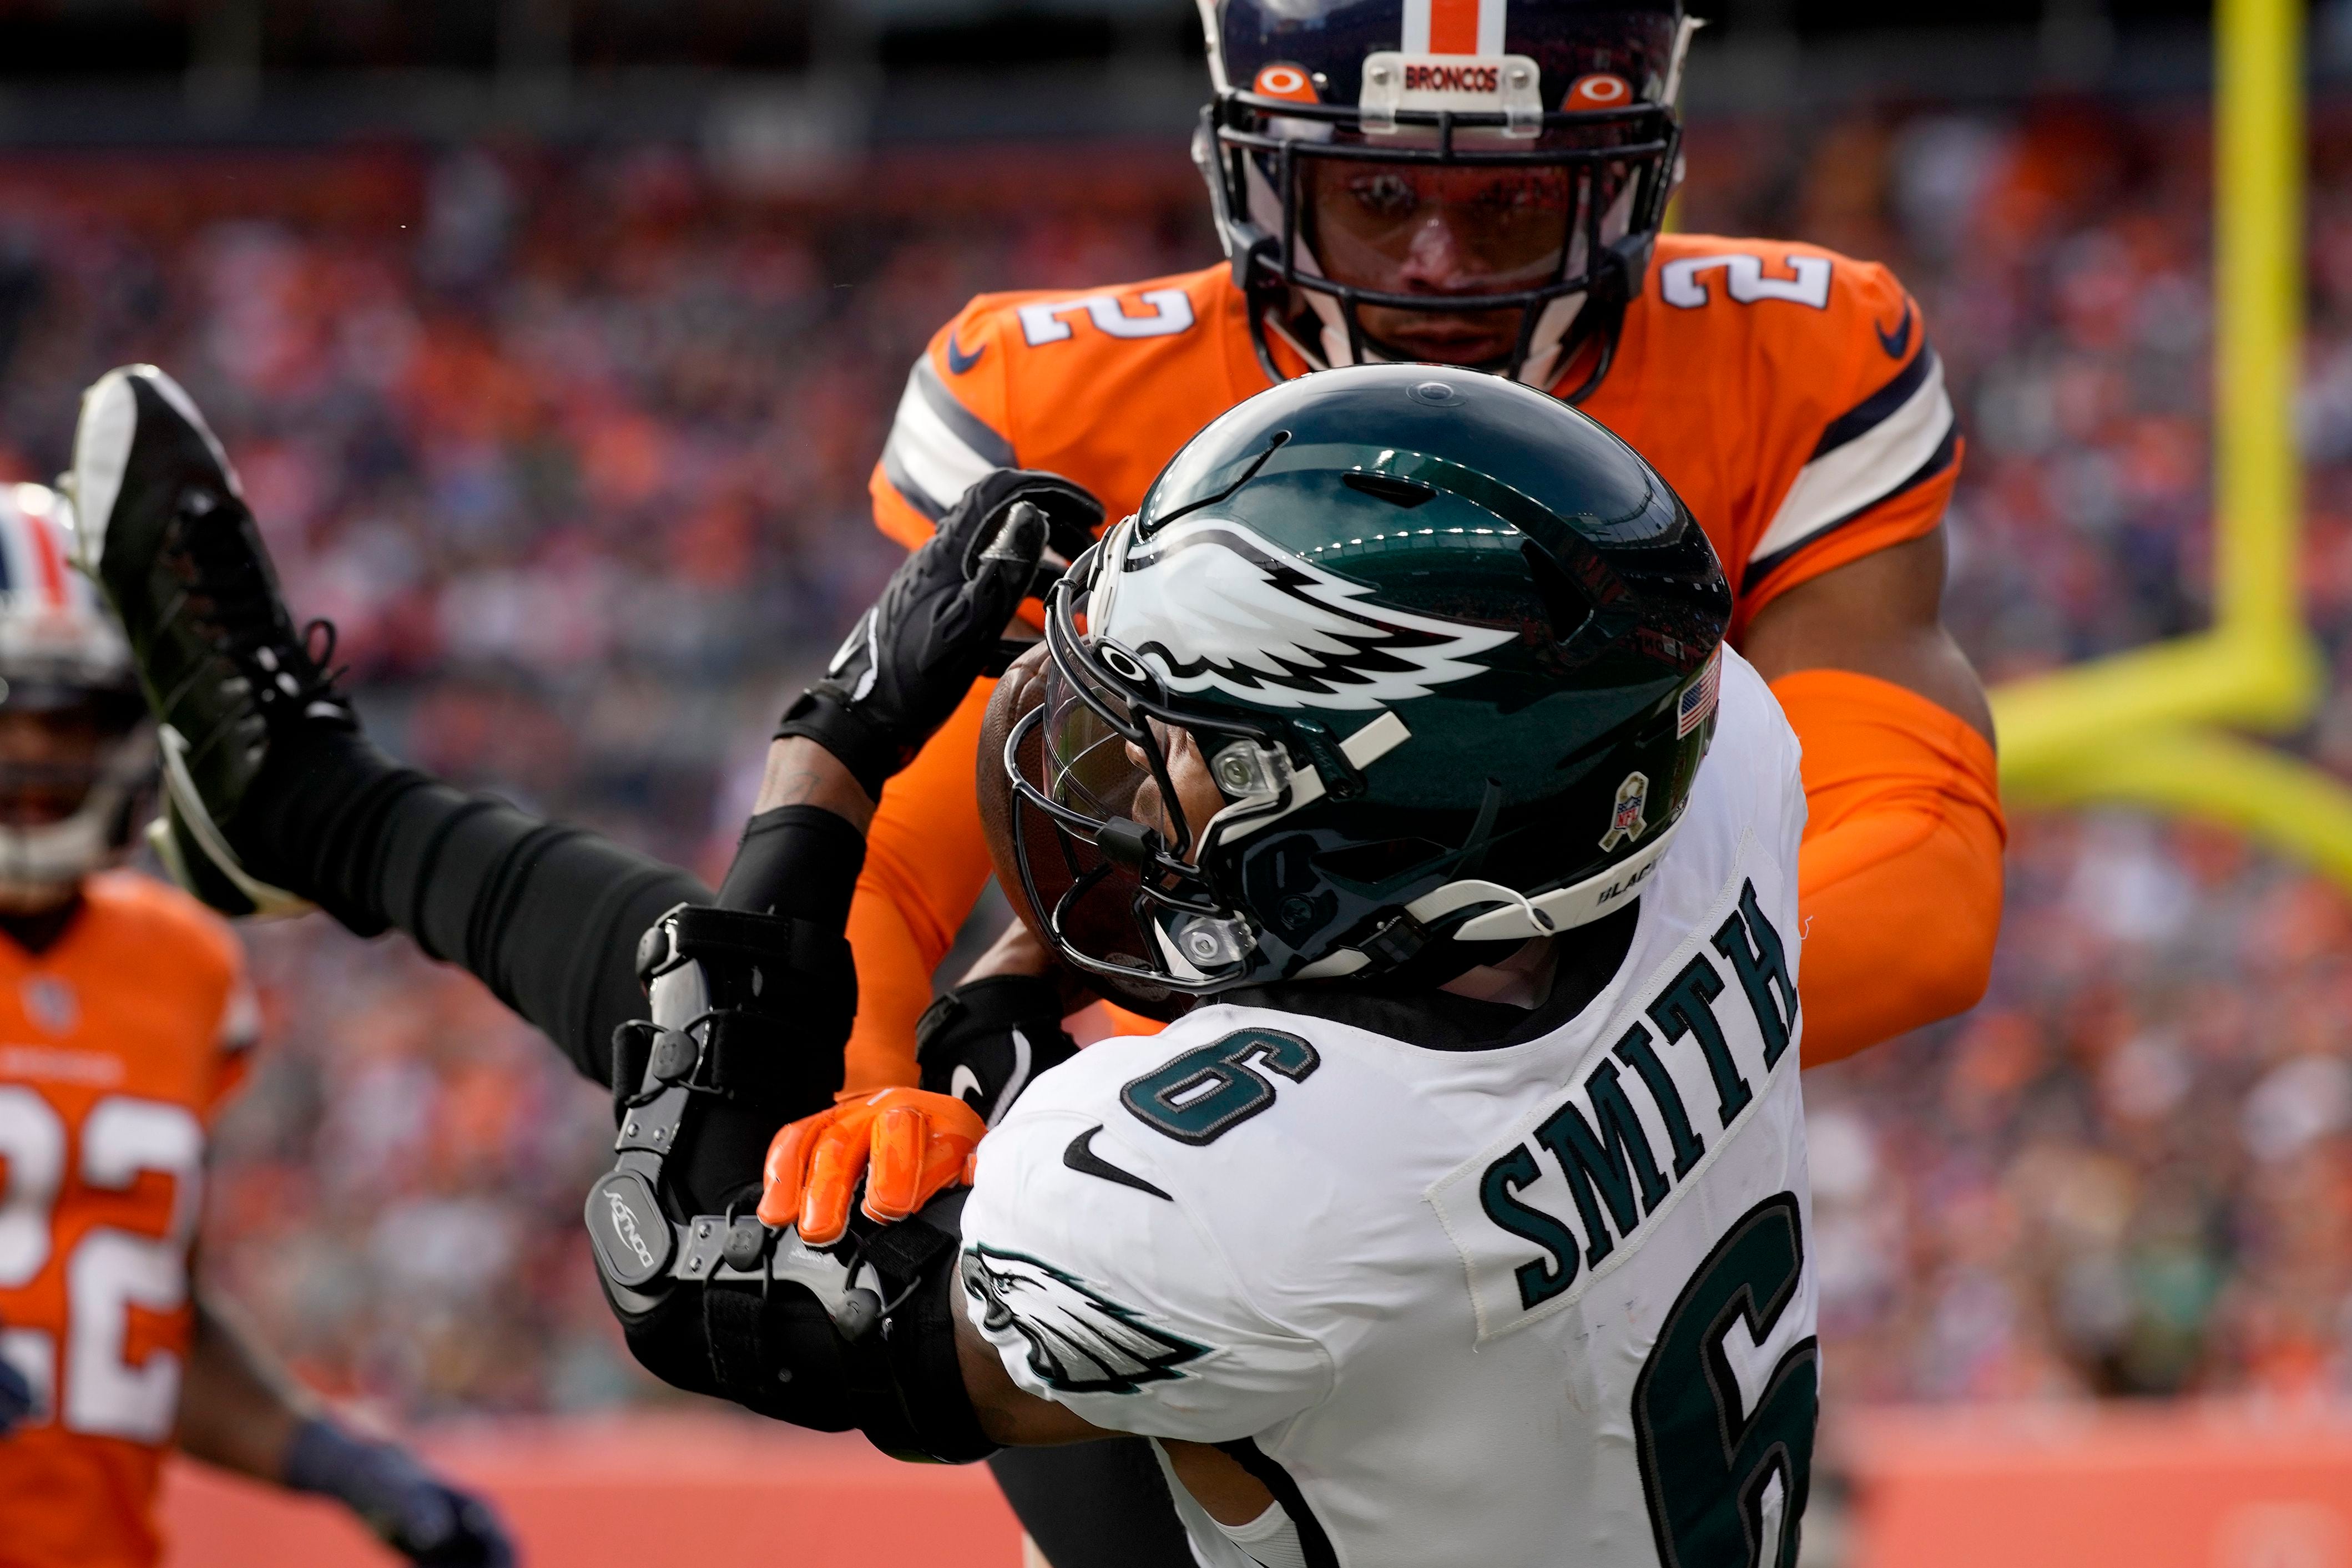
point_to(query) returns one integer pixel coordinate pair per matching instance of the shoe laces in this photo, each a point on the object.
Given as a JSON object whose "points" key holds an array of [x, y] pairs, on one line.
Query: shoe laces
{"points": [[241, 606]]}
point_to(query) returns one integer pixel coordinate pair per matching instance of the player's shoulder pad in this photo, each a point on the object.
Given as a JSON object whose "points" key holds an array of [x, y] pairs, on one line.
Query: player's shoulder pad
{"points": [[1138, 1112], [1101, 1075], [1833, 356], [1781, 298], [1001, 383], [178, 928], [184, 949], [1100, 1260]]}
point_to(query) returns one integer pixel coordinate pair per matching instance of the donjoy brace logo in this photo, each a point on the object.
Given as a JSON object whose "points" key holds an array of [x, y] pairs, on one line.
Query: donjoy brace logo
{"points": [[625, 1226]]}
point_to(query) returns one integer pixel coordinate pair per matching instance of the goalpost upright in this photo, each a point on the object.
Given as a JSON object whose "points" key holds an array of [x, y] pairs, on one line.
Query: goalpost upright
{"points": [[2145, 726]]}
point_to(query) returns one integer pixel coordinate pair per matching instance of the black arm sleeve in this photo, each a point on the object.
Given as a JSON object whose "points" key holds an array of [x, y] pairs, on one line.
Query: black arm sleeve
{"points": [[546, 915]]}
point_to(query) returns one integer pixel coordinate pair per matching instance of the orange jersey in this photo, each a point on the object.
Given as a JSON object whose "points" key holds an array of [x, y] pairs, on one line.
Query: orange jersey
{"points": [[1788, 393], [117, 1045]]}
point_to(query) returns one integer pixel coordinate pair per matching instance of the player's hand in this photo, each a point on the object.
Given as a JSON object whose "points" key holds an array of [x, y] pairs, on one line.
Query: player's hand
{"points": [[906, 1144], [410, 1508], [911, 658], [17, 1403]]}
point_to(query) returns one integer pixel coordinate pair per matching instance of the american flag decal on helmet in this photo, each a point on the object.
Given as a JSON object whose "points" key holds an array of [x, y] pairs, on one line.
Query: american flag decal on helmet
{"points": [[1698, 697]]}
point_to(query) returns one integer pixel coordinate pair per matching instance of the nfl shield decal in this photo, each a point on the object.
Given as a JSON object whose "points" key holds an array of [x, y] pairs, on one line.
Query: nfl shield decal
{"points": [[1627, 822]]}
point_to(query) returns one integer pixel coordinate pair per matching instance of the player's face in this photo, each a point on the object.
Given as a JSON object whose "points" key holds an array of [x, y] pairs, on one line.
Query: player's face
{"points": [[1196, 792], [49, 760], [1447, 233]]}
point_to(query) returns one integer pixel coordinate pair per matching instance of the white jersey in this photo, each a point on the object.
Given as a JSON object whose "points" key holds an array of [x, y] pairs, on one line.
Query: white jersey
{"points": [[1533, 1304]]}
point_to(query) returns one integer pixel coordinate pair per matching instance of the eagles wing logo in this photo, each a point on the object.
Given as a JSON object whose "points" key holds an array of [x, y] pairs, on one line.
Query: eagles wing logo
{"points": [[1213, 605], [1080, 1341]]}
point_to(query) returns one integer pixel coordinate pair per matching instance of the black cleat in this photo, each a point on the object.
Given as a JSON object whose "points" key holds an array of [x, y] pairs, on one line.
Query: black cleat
{"points": [[162, 526]]}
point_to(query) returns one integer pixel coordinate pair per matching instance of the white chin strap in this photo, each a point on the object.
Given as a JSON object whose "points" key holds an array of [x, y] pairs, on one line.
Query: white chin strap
{"points": [[1522, 915]]}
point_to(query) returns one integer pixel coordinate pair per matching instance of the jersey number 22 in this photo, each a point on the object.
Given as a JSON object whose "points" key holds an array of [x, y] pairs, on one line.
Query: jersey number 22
{"points": [[108, 1272]]}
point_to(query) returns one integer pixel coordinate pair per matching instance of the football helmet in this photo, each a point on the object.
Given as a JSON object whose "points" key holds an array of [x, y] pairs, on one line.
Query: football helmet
{"points": [[1534, 142], [1394, 662], [62, 656]]}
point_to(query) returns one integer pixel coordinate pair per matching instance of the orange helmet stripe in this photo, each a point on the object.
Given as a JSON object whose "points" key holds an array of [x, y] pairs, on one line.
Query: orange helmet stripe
{"points": [[1453, 27]]}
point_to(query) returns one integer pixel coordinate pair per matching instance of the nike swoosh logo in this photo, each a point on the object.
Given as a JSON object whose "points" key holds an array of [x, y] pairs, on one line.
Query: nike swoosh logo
{"points": [[1896, 343], [958, 361], [1080, 1156]]}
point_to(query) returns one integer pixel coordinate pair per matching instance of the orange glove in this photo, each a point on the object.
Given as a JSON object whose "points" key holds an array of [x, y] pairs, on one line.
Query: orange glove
{"points": [[906, 1143]]}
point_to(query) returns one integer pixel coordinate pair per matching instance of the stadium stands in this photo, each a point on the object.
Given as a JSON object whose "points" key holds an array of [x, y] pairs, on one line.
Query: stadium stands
{"points": [[574, 448]]}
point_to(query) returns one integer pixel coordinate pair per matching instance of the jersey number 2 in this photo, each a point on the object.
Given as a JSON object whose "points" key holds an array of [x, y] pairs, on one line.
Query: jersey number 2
{"points": [[1726, 1481], [108, 1272]]}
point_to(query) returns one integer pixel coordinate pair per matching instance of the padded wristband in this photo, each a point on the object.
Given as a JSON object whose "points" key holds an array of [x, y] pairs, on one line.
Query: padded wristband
{"points": [[871, 757], [987, 1041]]}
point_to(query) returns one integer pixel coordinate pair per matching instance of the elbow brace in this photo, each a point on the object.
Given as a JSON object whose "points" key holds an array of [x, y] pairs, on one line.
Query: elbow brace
{"points": [[750, 1013]]}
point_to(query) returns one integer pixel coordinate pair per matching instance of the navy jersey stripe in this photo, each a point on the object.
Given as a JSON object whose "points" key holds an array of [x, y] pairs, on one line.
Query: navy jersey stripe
{"points": [[1874, 410], [1941, 459]]}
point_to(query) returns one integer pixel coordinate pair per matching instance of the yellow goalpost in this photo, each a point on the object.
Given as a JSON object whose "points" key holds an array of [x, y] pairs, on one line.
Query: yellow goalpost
{"points": [[2154, 726]]}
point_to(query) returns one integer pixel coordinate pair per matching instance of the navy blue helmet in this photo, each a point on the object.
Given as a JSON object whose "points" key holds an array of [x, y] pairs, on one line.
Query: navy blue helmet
{"points": [[1478, 181]]}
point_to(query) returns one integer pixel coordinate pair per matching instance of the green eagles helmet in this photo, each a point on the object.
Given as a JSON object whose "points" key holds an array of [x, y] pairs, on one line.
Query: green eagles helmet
{"points": [[1395, 661]]}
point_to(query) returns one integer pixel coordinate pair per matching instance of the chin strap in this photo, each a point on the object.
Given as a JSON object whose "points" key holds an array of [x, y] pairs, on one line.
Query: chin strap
{"points": [[859, 1334]]}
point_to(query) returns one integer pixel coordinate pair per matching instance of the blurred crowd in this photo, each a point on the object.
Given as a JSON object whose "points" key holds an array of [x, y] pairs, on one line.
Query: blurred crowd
{"points": [[574, 451]]}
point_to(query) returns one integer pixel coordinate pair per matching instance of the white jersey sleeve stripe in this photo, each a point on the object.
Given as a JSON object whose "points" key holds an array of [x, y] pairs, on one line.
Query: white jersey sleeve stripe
{"points": [[938, 448], [1882, 448]]}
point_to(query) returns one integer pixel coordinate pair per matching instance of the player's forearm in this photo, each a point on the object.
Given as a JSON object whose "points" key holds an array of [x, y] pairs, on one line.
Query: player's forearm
{"points": [[1017, 1419], [800, 772], [238, 1408], [926, 862], [894, 986], [1010, 1415], [1896, 937], [1900, 875]]}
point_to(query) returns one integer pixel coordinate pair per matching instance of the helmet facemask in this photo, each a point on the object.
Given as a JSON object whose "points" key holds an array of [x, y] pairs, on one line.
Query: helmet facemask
{"points": [[1554, 212], [1136, 793], [76, 769], [77, 748]]}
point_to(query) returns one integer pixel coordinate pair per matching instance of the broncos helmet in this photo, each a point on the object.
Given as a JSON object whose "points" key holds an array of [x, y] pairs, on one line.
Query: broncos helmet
{"points": [[1340, 127], [63, 657], [1394, 663]]}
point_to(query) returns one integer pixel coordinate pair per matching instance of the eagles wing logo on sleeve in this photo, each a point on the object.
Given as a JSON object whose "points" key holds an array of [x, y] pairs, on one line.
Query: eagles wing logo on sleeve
{"points": [[1080, 1341], [1215, 606]]}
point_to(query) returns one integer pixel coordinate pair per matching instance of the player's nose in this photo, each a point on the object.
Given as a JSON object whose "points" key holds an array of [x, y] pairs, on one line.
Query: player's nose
{"points": [[1437, 261]]}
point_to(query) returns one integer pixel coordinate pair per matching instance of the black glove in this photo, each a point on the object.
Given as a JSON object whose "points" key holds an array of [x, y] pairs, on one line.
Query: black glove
{"points": [[414, 1512], [986, 1040], [910, 659], [17, 1403]]}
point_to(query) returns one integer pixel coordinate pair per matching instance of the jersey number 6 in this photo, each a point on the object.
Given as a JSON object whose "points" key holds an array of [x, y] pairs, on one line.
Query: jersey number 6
{"points": [[1725, 1481], [1205, 1093]]}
